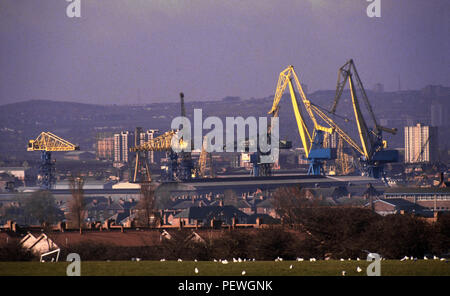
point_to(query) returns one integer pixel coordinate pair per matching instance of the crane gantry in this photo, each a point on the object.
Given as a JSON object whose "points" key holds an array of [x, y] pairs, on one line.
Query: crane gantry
{"points": [[372, 149], [48, 143], [312, 141]]}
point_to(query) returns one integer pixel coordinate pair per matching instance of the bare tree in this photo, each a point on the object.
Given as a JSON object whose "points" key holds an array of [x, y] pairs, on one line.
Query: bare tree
{"points": [[290, 204], [147, 214], [77, 204]]}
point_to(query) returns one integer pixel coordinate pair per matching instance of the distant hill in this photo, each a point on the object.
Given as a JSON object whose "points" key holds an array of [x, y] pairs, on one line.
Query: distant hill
{"points": [[79, 123]]}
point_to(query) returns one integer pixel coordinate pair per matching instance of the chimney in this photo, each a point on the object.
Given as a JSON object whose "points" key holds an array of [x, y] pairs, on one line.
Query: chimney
{"points": [[259, 222]]}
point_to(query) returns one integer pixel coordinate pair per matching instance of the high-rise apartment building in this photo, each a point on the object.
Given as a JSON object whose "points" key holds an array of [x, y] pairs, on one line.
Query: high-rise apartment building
{"points": [[122, 143], [421, 144], [105, 146]]}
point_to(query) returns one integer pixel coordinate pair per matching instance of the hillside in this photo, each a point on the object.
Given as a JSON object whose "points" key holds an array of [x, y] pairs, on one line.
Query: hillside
{"points": [[79, 123]]}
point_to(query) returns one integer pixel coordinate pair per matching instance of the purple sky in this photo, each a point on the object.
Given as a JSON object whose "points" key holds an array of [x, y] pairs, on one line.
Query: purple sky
{"points": [[143, 51]]}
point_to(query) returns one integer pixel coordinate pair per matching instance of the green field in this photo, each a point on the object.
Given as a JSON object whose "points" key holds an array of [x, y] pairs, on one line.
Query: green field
{"points": [[261, 268]]}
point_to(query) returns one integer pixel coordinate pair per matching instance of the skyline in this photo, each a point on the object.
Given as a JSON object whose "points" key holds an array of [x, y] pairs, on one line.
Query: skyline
{"points": [[145, 52]]}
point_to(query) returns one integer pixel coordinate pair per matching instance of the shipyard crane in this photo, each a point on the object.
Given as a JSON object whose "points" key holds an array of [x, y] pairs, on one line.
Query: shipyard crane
{"points": [[186, 167], [205, 162], [163, 143], [312, 141], [48, 143], [419, 157], [372, 150], [141, 167]]}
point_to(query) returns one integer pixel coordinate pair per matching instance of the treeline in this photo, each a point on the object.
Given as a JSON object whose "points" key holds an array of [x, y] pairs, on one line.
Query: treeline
{"points": [[338, 233], [343, 233]]}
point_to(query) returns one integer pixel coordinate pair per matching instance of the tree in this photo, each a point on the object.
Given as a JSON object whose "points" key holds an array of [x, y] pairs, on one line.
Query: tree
{"points": [[41, 207], [147, 215], [291, 204], [77, 204]]}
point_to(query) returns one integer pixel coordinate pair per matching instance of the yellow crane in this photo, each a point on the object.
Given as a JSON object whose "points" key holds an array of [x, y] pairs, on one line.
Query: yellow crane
{"points": [[48, 143], [313, 140], [205, 162], [373, 146]]}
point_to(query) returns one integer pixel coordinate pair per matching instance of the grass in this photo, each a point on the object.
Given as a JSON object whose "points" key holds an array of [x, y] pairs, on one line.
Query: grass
{"points": [[258, 268]]}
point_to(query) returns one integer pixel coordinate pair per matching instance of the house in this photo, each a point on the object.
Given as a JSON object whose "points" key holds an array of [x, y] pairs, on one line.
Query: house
{"points": [[325, 193], [206, 215], [38, 245], [265, 207], [433, 198], [396, 206]]}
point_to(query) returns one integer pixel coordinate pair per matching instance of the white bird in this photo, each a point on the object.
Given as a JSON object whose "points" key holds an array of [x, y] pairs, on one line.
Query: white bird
{"points": [[215, 260], [239, 260], [343, 272], [358, 269], [425, 258], [312, 259], [435, 258], [224, 261], [243, 272], [349, 259], [254, 260], [138, 259], [234, 260], [290, 267], [357, 259], [179, 260], [299, 259], [196, 270], [442, 259], [195, 260], [162, 260], [404, 258], [342, 259]]}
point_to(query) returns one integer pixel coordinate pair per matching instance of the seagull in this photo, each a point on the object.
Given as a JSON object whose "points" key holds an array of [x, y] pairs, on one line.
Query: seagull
{"points": [[195, 260], [196, 270], [299, 259], [342, 259], [234, 260], [162, 260], [243, 272], [215, 260], [138, 259], [435, 258], [239, 260], [224, 261], [254, 260], [425, 258], [343, 272], [290, 267], [179, 260], [349, 259], [442, 259], [358, 269], [404, 258], [357, 259], [312, 259]]}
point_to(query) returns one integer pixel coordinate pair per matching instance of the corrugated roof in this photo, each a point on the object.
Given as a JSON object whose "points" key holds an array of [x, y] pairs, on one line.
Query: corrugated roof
{"points": [[418, 190]]}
